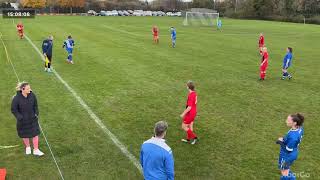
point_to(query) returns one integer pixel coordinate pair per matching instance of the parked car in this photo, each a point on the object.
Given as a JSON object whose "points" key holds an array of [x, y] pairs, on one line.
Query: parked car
{"points": [[103, 13], [120, 13], [92, 13], [130, 12], [126, 13], [138, 13], [147, 13], [114, 13], [154, 13]]}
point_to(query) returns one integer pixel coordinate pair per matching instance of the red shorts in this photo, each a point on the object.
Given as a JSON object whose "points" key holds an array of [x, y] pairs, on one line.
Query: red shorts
{"points": [[155, 37], [188, 119], [264, 67]]}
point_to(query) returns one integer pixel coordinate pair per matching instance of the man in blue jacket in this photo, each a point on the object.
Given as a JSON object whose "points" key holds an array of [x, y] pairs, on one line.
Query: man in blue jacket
{"points": [[47, 46], [156, 156]]}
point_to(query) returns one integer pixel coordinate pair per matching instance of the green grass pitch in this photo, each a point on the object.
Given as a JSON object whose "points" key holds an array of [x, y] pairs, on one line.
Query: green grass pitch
{"points": [[130, 84]]}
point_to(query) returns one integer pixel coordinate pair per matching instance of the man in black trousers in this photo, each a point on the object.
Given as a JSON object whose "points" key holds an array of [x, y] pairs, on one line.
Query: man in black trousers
{"points": [[47, 46]]}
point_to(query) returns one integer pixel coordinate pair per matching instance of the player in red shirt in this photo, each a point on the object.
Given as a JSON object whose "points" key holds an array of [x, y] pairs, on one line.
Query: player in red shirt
{"points": [[264, 63], [261, 43], [20, 30], [155, 32], [189, 114]]}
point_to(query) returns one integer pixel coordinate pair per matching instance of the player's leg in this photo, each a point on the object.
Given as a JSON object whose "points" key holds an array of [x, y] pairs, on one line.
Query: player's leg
{"points": [[284, 166], [185, 128], [49, 63], [195, 138], [186, 125], [262, 72], [173, 43], [69, 58]]}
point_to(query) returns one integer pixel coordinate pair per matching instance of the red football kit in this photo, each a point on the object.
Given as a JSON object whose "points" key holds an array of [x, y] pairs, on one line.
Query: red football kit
{"points": [[264, 65], [192, 102]]}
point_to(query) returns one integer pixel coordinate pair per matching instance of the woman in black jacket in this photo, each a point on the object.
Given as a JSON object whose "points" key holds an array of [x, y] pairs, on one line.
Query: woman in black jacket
{"points": [[25, 108]]}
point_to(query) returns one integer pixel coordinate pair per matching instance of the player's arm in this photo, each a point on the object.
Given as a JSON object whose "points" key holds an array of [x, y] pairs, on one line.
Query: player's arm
{"points": [[190, 102], [44, 48], [288, 61], [264, 60], [185, 111], [64, 44]]}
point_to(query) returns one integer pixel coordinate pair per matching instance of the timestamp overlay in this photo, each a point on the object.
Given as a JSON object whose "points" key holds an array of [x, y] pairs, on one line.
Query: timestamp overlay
{"points": [[21, 13]]}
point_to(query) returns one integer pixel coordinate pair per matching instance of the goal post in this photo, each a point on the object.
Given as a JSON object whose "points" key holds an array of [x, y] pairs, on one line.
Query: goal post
{"points": [[200, 18]]}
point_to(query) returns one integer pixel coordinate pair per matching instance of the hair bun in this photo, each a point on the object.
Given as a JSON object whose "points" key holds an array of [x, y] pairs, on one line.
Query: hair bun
{"points": [[300, 116]]}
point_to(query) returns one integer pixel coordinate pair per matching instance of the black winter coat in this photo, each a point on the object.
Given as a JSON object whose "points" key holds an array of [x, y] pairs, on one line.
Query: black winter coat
{"points": [[25, 109]]}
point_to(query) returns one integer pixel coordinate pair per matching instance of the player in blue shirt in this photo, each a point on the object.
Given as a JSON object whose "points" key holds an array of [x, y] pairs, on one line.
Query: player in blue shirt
{"points": [[69, 44], [173, 36], [286, 64], [219, 24], [289, 145]]}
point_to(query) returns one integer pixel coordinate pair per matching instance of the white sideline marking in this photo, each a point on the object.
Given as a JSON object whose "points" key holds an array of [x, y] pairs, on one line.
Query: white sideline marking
{"points": [[98, 121], [8, 58], [45, 138], [8, 147]]}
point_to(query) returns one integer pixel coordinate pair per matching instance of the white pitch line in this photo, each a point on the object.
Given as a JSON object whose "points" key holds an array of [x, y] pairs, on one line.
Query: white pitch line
{"points": [[8, 147], [97, 120], [8, 57]]}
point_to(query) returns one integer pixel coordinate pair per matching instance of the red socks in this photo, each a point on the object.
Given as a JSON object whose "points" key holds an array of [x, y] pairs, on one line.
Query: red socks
{"points": [[190, 134], [262, 75]]}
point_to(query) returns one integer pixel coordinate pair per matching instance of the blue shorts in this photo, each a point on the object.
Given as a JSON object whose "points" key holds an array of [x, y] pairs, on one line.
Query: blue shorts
{"points": [[69, 51], [284, 66], [285, 161]]}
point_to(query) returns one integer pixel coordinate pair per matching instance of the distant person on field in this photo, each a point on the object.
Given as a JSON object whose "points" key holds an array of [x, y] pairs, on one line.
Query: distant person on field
{"points": [[289, 145], [189, 114], [68, 44], [264, 63], [155, 33], [47, 46], [20, 30], [25, 108], [173, 36], [261, 43], [156, 157], [219, 24], [286, 64]]}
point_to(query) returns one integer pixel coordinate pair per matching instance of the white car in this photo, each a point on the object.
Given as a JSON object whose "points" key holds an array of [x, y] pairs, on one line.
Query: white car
{"points": [[138, 13], [92, 13], [169, 14], [147, 13], [114, 13]]}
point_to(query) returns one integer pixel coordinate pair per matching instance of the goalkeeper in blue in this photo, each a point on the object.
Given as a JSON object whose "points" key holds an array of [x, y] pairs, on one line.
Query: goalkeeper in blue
{"points": [[289, 145], [286, 64], [219, 24], [68, 45], [173, 36]]}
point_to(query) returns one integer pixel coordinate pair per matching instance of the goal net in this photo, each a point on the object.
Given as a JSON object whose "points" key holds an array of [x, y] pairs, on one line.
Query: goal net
{"points": [[200, 19]]}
